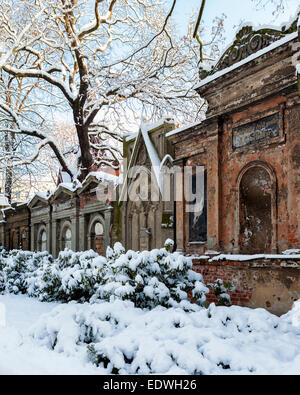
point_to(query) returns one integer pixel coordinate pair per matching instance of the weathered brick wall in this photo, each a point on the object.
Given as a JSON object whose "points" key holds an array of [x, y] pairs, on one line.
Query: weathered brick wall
{"points": [[99, 245], [87, 197], [270, 284], [241, 98]]}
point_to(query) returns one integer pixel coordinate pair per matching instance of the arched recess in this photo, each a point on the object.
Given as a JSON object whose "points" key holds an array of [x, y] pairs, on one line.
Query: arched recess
{"points": [[96, 234], [256, 209], [66, 235], [42, 238]]}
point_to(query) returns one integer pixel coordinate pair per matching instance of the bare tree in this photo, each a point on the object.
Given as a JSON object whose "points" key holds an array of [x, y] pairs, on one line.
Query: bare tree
{"points": [[15, 147], [104, 60]]}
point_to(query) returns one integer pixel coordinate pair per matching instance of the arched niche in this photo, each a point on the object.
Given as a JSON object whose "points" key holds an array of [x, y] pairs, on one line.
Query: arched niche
{"points": [[96, 233], [66, 235], [256, 209], [42, 239]]}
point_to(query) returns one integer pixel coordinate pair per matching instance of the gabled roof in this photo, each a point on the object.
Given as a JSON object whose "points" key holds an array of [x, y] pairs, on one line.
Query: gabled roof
{"points": [[38, 197], [67, 188], [143, 134]]}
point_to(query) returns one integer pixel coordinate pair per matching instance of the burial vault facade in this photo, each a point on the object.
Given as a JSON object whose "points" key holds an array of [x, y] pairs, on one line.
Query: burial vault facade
{"points": [[249, 147]]}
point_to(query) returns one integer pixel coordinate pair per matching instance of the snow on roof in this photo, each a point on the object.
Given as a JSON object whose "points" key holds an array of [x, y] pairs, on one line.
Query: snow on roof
{"points": [[255, 55], [183, 128], [151, 126], [153, 155], [43, 195], [245, 257], [103, 176], [4, 201], [131, 136], [66, 177]]}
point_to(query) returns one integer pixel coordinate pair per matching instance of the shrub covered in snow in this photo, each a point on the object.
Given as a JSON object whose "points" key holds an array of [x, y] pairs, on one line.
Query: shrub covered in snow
{"points": [[3, 255], [72, 276], [220, 290], [127, 340], [150, 278], [19, 269]]}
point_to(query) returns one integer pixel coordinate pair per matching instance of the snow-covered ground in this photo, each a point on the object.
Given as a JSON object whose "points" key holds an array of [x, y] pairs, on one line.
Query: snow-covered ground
{"points": [[220, 340], [18, 353]]}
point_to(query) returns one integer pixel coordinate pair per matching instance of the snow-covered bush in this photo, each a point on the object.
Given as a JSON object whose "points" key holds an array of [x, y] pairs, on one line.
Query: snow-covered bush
{"points": [[150, 278], [220, 290], [19, 269], [72, 276], [3, 255], [80, 274], [124, 339]]}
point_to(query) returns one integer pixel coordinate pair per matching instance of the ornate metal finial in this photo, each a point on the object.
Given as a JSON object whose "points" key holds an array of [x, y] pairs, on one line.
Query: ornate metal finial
{"points": [[247, 42]]}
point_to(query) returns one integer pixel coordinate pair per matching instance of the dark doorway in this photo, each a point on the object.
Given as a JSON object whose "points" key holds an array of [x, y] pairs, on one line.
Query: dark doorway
{"points": [[255, 211]]}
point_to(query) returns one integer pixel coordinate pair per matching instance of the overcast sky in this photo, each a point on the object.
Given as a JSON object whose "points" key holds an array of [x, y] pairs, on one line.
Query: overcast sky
{"points": [[237, 11]]}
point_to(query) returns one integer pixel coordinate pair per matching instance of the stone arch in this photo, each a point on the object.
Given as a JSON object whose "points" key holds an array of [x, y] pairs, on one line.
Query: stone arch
{"points": [[65, 239], [256, 209], [96, 234], [41, 241]]}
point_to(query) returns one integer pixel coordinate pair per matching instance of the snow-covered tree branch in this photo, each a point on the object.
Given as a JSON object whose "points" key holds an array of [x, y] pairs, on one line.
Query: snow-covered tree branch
{"points": [[106, 61]]}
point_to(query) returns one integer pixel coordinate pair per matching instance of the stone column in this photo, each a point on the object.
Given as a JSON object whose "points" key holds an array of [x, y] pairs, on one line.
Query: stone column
{"points": [[54, 238], [106, 235], [213, 195], [49, 235], [82, 233], [179, 205], [74, 234], [32, 238], [2, 229]]}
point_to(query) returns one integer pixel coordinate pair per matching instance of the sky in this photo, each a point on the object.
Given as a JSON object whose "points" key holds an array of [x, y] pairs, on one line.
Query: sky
{"points": [[237, 11]]}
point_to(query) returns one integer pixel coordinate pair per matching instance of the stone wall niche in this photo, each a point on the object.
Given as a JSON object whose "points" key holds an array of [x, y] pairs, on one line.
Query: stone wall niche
{"points": [[255, 225]]}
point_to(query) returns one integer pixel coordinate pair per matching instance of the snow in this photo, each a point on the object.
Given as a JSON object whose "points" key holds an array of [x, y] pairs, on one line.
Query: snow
{"points": [[18, 354], [291, 252], [183, 128], [103, 176], [256, 55], [131, 136], [137, 319], [239, 257], [153, 155], [50, 338], [4, 201]]}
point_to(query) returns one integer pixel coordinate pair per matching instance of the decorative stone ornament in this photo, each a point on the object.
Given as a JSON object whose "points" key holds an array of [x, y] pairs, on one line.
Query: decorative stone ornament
{"points": [[247, 42]]}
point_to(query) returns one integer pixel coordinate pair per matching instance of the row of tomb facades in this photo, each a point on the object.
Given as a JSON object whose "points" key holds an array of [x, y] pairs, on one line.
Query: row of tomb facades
{"points": [[248, 148], [72, 217]]}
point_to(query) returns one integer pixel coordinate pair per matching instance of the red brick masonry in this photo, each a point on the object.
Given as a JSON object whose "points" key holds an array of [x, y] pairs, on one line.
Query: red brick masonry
{"points": [[271, 283]]}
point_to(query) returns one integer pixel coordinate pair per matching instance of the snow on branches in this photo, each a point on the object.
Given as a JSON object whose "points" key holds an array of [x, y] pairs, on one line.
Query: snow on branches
{"points": [[104, 61]]}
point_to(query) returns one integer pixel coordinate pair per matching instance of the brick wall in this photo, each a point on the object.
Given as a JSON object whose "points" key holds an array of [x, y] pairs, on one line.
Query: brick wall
{"points": [[267, 283], [99, 245]]}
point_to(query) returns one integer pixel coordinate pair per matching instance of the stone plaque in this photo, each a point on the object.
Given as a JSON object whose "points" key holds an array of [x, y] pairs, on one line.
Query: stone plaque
{"points": [[255, 132]]}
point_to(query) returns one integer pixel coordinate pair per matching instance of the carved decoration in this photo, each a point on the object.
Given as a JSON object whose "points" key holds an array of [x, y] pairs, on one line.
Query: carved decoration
{"points": [[247, 42]]}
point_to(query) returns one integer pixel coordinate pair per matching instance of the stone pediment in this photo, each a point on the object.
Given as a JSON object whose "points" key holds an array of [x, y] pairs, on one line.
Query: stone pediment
{"points": [[37, 202], [91, 183], [247, 42], [62, 193]]}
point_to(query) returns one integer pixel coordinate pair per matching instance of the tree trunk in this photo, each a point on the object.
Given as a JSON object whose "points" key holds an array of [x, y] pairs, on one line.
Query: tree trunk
{"points": [[9, 140], [86, 158]]}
